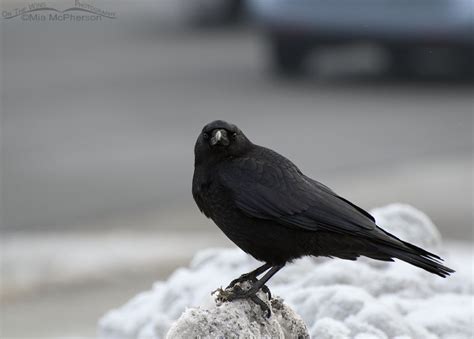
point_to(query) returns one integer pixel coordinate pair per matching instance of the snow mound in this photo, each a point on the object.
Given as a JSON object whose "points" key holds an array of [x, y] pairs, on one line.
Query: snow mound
{"points": [[336, 299], [241, 318]]}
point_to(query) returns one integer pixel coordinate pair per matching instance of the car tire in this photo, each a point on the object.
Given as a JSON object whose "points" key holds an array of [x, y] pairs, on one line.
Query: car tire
{"points": [[288, 55]]}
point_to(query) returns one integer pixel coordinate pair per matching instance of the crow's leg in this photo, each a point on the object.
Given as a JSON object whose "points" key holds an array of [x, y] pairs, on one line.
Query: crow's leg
{"points": [[264, 307], [257, 285], [251, 276]]}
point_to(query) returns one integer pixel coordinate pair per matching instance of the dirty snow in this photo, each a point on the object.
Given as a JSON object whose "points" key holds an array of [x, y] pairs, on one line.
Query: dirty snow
{"points": [[242, 318]]}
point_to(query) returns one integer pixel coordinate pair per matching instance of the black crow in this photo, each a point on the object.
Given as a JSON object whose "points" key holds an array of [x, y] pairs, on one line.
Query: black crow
{"points": [[275, 213]]}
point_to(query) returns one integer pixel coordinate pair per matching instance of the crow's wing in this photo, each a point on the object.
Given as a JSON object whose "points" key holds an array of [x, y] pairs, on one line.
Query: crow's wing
{"points": [[273, 188]]}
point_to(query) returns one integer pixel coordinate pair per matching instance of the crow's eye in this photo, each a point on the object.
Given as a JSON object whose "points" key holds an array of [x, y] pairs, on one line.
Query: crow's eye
{"points": [[234, 135], [205, 136]]}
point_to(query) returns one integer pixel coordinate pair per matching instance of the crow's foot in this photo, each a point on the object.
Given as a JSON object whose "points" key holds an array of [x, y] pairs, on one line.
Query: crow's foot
{"points": [[238, 293], [248, 278], [265, 309], [230, 294]]}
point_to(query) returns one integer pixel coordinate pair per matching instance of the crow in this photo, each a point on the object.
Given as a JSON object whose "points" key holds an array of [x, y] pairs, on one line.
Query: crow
{"points": [[275, 213]]}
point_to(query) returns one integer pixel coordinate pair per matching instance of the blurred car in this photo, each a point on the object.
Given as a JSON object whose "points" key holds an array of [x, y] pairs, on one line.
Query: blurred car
{"points": [[211, 12], [410, 30]]}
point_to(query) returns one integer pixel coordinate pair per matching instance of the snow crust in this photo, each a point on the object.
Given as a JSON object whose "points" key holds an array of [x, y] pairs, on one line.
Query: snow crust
{"points": [[241, 318], [336, 299]]}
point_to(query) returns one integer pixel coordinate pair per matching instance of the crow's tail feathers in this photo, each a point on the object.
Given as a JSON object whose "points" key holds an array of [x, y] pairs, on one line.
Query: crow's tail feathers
{"points": [[422, 259], [414, 255]]}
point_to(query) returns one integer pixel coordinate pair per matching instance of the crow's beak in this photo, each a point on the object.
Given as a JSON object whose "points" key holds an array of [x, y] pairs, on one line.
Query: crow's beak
{"points": [[219, 137]]}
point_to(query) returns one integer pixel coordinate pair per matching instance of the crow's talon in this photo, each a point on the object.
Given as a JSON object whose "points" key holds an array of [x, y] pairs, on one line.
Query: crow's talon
{"points": [[266, 290]]}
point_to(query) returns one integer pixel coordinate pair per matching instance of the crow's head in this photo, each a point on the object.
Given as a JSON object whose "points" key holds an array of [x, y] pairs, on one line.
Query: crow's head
{"points": [[219, 139]]}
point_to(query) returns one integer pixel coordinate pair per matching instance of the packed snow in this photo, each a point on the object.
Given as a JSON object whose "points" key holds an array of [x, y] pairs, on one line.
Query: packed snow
{"points": [[337, 299], [242, 317]]}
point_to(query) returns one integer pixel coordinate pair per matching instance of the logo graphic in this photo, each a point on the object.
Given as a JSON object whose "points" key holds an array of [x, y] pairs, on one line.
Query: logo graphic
{"points": [[40, 11]]}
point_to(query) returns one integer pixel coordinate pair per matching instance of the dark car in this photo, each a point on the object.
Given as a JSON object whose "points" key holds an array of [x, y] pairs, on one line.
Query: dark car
{"points": [[410, 30], [211, 12]]}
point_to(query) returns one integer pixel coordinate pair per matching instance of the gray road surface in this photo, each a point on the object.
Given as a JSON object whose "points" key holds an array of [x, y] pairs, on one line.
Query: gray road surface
{"points": [[99, 122]]}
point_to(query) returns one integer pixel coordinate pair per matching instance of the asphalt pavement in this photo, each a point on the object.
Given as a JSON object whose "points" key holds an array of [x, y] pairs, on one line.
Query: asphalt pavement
{"points": [[99, 122]]}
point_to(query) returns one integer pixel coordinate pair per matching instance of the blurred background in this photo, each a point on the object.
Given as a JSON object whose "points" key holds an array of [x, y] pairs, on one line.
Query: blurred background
{"points": [[99, 118]]}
